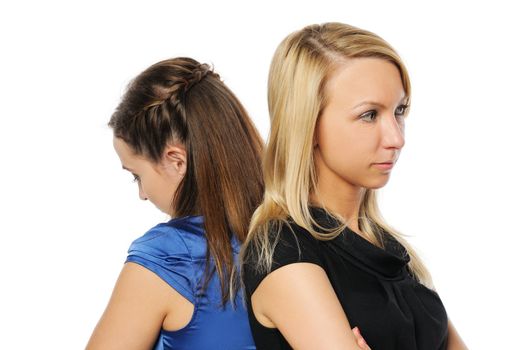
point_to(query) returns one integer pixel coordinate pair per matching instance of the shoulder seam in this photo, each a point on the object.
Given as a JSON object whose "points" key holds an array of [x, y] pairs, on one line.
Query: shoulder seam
{"points": [[184, 243], [155, 233]]}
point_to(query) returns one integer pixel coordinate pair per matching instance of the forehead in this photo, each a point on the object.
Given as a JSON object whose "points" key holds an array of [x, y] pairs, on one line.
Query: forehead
{"points": [[125, 152], [361, 79]]}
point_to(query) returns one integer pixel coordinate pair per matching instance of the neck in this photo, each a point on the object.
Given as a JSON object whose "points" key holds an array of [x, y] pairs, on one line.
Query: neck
{"points": [[340, 198]]}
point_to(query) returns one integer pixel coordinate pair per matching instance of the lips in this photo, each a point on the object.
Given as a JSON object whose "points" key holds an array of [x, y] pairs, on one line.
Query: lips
{"points": [[384, 165]]}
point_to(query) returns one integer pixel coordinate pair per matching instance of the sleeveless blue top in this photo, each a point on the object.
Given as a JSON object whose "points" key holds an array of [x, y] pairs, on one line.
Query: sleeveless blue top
{"points": [[176, 252]]}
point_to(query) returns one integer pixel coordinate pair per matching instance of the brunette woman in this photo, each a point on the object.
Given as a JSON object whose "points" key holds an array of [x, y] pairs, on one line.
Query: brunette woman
{"points": [[195, 154]]}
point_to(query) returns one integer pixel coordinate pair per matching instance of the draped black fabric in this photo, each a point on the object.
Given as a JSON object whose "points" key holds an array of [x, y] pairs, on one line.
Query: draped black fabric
{"points": [[373, 285]]}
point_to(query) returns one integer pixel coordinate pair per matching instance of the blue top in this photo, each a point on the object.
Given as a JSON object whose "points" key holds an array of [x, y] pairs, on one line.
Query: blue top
{"points": [[176, 251]]}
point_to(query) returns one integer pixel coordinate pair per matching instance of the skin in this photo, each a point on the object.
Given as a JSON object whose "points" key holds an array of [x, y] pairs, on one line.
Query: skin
{"points": [[365, 116], [142, 303], [156, 182]]}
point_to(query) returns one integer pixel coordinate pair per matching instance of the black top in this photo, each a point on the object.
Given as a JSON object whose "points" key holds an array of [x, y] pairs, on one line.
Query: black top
{"points": [[373, 285]]}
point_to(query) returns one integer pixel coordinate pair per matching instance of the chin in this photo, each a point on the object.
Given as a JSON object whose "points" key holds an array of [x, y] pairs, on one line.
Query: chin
{"points": [[375, 185]]}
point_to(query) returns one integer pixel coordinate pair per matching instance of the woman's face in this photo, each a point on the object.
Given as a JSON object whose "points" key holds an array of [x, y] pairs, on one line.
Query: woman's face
{"points": [[360, 133], [156, 182]]}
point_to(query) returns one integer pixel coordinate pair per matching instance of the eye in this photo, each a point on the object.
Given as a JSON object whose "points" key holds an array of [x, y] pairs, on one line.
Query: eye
{"points": [[136, 178], [369, 116], [400, 111]]}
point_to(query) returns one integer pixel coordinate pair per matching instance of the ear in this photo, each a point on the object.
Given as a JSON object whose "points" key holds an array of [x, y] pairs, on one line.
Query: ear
{"points": [[175, 158]]}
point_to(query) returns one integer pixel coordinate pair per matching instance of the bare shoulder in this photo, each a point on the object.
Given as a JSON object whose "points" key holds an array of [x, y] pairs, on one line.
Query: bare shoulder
{"points": [[299, 300], [141, 303], [454, 339]]}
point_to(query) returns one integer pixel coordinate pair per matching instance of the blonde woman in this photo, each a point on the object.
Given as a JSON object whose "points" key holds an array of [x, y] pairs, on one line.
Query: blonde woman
{"points": [[321, 266]]}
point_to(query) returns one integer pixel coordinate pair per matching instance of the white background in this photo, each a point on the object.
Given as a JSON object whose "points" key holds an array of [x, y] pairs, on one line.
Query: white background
{"points": [[68, 212]]}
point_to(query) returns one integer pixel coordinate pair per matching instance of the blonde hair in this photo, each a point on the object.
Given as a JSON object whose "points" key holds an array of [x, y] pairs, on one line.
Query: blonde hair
{"points": [[299, 70]]}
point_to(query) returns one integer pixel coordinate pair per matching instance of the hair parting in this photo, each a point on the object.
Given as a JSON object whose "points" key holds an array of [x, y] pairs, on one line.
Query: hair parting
{"points": [[300, 68]]}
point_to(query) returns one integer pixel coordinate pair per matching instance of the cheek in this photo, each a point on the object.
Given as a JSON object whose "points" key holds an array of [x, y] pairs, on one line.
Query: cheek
{"points": [[166, 188], [342, 144], [152, 187], [144, 186], [346, 151]]}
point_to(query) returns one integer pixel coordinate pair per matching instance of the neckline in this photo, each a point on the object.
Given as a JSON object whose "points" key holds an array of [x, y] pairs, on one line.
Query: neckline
{"points": [[388, 262], [198, 220], [191, 218]]}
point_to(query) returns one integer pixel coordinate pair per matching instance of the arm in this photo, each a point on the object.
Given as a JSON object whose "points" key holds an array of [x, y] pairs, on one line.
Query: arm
{"points": [[138, 307], [454, 340], [299, 300]]}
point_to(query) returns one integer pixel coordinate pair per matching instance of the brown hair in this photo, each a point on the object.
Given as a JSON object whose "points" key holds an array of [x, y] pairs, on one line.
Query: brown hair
{"points": [[181, 99]]}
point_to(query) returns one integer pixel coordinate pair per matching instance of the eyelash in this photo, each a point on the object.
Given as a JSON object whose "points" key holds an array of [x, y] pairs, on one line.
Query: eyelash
{"points": [[374, 113], [136, 178]]}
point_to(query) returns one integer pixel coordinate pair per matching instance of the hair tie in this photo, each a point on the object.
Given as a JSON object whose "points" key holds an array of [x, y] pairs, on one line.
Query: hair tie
{"points": [[197, 74]]}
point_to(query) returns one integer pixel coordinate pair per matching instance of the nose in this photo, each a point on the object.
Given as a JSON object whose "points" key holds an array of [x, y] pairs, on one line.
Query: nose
{"points": [[142, 195], [392, 130]]}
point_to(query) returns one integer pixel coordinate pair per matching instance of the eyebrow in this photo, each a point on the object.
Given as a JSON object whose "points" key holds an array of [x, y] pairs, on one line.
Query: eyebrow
{"points": [[404, 99], [125, 168]]}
